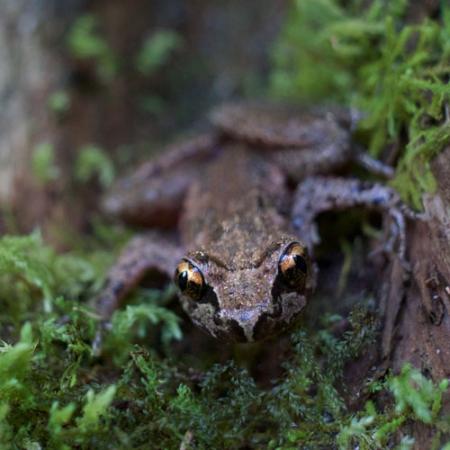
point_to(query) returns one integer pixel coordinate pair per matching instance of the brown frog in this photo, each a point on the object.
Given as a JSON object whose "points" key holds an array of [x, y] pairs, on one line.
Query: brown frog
{"points": [[243, 200]]}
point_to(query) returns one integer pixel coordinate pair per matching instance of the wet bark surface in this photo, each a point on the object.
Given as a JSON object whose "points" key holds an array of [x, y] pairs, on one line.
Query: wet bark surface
{"points": [[417, 322], [416, 306]]}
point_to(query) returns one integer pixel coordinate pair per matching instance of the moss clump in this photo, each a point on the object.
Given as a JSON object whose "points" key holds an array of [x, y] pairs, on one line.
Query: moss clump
{"points": [[371, 58], [54, 393]]}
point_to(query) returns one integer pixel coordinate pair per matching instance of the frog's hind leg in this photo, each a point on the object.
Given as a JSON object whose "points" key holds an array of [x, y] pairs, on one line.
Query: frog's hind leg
{"points": [[300, 163], [153, 195], [319, 194], [144, 253], [301, 142]]}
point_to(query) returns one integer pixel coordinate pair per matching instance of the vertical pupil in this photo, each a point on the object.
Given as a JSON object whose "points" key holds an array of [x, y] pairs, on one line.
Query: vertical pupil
{"points": [[183, 280]]}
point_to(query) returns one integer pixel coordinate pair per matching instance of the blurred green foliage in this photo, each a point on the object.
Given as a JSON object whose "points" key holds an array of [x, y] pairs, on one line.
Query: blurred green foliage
{"points": [[92, 162], [43, 163], [151, 59], [368, 57], [59, 102], [85, 42], [156, 50]]}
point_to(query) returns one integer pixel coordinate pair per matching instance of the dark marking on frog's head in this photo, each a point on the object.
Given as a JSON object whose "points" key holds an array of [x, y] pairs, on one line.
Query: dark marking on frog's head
{"points": [[250, 302]]}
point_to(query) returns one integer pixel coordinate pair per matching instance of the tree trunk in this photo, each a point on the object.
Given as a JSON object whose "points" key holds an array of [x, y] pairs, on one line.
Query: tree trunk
{"points": [[417, 322], [29, 72], [416, 308], [37, 63]]}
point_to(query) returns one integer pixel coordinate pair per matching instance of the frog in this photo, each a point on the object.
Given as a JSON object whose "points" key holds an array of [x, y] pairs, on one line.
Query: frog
{"points": [[230, 215]]}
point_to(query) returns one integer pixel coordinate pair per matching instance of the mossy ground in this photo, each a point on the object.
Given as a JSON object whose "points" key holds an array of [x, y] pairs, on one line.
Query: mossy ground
{"points": [[145, 392], [149, 391]]}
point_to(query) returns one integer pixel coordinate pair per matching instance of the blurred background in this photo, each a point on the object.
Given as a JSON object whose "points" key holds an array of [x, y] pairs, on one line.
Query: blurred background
{"points": [[88, 88]]}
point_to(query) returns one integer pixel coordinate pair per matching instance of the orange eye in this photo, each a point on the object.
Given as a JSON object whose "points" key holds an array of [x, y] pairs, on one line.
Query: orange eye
{"points": [[293, 265], [189, 279]]}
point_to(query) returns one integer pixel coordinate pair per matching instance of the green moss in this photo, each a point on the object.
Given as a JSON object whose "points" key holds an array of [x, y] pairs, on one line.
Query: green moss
{"points": [[417, 400], [370, 58], [54, 393]]}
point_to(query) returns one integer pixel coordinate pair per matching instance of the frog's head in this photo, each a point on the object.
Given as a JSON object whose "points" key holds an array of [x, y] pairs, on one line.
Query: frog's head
{"points": [[249, 302]]}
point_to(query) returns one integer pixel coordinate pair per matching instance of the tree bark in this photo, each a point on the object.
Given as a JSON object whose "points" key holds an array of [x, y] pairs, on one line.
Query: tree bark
{"points": [[36, 63], [416, 307], [417, 322], [23, 81]]}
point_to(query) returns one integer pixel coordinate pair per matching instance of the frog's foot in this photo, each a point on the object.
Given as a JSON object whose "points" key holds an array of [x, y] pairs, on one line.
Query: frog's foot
{"points": [[319, 194], [144, 253], [373, 165]]}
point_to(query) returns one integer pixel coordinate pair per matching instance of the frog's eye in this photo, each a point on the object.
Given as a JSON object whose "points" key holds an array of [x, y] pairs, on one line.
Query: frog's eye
{"points": [[189, 279], [293, 265]]}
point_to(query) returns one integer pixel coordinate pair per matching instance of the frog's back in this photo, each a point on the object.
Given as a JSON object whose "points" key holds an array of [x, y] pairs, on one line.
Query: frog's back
{"points": [[234, 208]]}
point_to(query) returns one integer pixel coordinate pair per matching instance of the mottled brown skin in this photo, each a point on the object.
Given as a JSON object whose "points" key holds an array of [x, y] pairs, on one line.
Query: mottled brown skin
{"points": [[237, 245], [241, 259]]}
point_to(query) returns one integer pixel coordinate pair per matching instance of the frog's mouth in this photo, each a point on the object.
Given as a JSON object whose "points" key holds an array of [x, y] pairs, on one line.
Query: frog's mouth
{"points": [[265, 319], [249, 323], [246, 304], [243, 321]]}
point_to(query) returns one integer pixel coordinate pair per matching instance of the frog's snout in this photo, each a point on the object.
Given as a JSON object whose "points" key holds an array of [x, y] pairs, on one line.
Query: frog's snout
{"points": [[244, 315], [244, 321]]}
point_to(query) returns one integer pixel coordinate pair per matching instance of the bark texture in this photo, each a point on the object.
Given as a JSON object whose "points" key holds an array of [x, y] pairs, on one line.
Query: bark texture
{"points": [[416, 308], [417, 324], [29, 72]]}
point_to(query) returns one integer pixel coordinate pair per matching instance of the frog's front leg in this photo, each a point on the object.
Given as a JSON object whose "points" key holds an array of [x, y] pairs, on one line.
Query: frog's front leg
{"points": [[144, 253], [319, 194]]}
